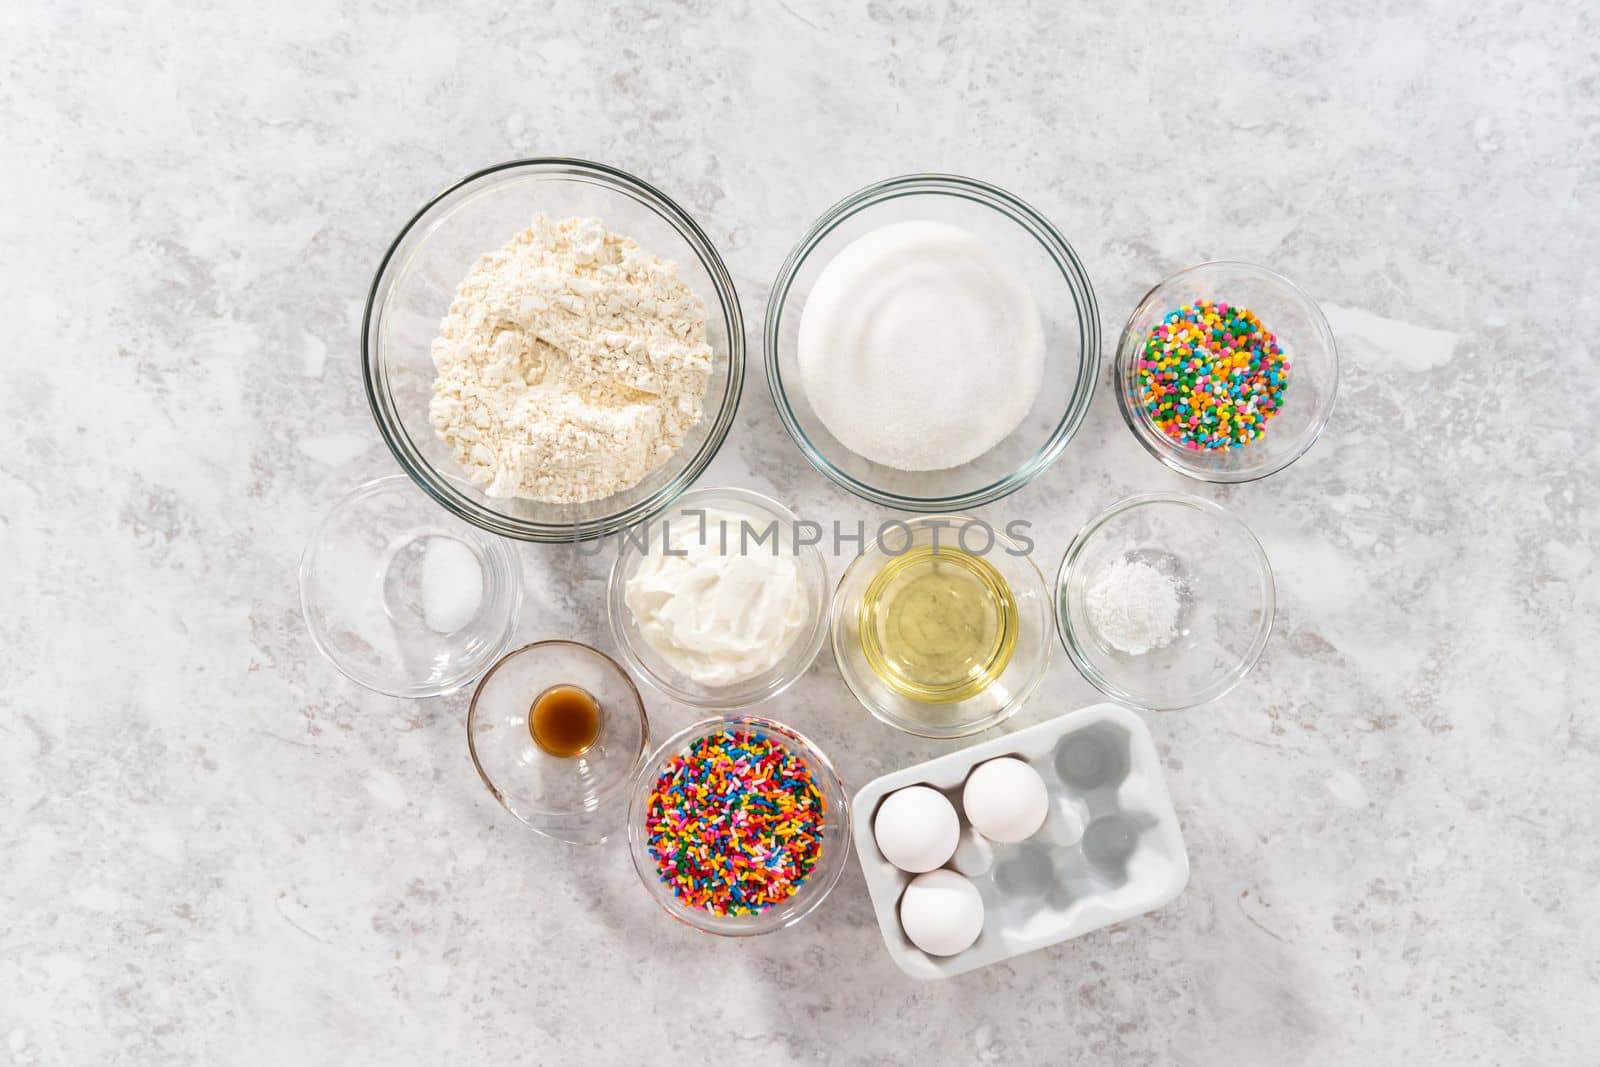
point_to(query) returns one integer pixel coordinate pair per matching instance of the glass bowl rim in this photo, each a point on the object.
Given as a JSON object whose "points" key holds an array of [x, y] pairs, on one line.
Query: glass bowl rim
{"points": [[1070, 639], [497, 548], [1075, 278], [1155, 442], [1007, 710], [638, 849], [433, 482], [735, 697], [472, 715]]}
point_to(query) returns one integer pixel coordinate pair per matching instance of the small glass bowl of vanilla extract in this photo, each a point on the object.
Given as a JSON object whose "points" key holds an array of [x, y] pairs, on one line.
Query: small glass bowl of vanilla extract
{"points": [[942, 627], [557, 731]]}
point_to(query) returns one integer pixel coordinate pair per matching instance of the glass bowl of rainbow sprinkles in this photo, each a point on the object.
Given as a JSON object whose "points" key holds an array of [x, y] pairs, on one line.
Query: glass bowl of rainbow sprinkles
{"points": [[1227, 372], [738, 826]]}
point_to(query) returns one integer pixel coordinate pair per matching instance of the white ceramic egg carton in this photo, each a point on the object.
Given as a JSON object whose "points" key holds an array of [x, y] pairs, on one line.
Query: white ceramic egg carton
{"points": [[1110, 848]]}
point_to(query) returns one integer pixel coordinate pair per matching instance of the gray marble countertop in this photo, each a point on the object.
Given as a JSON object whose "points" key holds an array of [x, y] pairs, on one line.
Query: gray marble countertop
{"points": [[217, 850]]}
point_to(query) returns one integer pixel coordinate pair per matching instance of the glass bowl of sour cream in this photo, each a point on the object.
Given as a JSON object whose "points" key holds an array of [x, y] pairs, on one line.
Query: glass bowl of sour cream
{"points": [[721, 601]]}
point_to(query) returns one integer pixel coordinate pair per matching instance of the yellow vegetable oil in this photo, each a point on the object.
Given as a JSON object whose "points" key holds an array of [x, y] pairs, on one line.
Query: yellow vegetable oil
{"points": [[938, 624]]}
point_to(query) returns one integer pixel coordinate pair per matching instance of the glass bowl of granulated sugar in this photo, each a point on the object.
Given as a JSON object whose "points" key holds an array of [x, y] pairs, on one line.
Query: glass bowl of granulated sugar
{"points": [[1165, 601], [932, 343], [552, 349]]}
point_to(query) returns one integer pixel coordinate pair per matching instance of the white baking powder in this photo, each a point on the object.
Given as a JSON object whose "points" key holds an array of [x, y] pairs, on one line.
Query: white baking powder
{"points": [[1134, 606]]}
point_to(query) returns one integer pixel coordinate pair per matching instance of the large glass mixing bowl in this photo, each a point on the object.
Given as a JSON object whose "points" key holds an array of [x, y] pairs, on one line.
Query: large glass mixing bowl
{"points": [[418, 279], [1014, 233]]}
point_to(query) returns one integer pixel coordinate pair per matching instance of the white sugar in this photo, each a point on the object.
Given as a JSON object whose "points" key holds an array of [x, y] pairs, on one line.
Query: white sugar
{"points": [[918, 348]]}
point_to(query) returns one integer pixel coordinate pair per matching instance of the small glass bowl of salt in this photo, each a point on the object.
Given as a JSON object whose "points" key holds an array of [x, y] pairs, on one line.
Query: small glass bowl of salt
{"points": [[1165, 601], [404, 598]]}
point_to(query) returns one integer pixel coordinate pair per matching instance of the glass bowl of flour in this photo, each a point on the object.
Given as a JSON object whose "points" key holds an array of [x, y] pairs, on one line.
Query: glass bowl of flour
{"points": [[553, 350], [1165, 600], [932, 343]]}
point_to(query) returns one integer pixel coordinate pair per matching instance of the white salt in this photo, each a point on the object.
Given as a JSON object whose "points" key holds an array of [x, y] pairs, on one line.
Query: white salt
{"points": [[452, 585]]}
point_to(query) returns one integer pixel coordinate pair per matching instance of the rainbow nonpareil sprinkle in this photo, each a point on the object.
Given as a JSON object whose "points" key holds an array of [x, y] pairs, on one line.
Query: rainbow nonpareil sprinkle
{"points": [[1211, 376], [735, 823]]}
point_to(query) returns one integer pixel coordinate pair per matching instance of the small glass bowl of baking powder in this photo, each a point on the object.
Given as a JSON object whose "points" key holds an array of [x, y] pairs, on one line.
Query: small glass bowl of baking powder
{"points": [[1165, 600], [417, 280], [720, 601]]}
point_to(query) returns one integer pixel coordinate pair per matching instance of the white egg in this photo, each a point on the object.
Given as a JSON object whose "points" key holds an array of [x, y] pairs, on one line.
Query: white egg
{"points": [[1005, 800], [941, 912], [916, 828]]}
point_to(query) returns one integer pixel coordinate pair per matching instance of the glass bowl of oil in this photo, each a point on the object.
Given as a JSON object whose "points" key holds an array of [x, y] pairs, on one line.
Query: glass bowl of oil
{"points": [[556, 730], [941, 628]]}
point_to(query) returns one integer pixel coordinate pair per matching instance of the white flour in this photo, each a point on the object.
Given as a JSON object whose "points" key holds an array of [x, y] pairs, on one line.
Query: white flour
{"points": [[571, 364], [1134, 606]]}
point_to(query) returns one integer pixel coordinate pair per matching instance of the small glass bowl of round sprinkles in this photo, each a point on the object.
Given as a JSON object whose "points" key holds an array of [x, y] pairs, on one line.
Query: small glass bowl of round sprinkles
{"points": [[738, 825], [1227, 372]]}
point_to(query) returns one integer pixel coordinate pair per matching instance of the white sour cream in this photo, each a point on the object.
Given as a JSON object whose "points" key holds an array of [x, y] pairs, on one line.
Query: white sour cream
{"points": [[718, 619]]}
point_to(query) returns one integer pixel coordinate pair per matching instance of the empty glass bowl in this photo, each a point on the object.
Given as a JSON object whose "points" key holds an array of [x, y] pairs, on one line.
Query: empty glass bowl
{"points": [[733, 521], [1014, 233], [1307, 342], [580, 799], [1225, 595], [990, 689], [831, 859], [404, 598], [417, 281]]}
